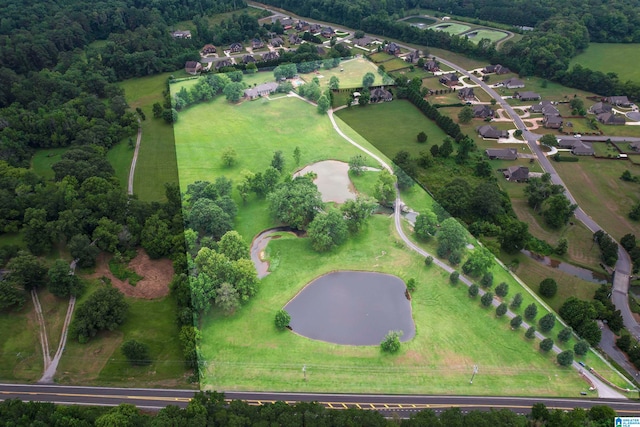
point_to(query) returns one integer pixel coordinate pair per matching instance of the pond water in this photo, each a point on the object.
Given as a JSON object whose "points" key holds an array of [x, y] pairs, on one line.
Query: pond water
{"points": [[582, 273], [352, 308], [332, 180]]}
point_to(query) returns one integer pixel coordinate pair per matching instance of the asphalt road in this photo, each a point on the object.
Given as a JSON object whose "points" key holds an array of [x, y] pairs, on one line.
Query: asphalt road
{"points": [[402, 405]]}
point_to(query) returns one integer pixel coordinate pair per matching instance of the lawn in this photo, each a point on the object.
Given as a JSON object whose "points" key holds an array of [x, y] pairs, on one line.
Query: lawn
{"points": [[43, 159], [392, 126], [20, 351], [479, 34], [249, 127], [619, 58], [351, 76], [157, 159], [451, 28], [549, 91], [598, 189], [439, 359]]}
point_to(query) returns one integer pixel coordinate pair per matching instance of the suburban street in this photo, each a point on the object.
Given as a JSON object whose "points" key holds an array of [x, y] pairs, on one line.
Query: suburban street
{"points": [[401, 405]]}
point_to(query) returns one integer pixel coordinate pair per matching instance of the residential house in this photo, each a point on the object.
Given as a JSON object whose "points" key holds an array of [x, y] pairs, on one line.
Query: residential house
{"points": [[516, 174], [302, 26], [482, 111], [235, 47], [527, 96], [276, 42], [611, 119], [552, 121], [181, 34], [315, 28], [248, 59], [192, 67], [618, 101], [208, 49], [380, 94], [412, 57], [450, 79], [392, 48], [497, 69], [577, 147], [600, 108], [257, 44], [545, 108], [512, 83], [270, 56], [264, 89], [489, 132], [327, 32], [501, 153], [466, 94], [294, 39], [287, 23], [432, 65], [224, 63], [363, 42]]}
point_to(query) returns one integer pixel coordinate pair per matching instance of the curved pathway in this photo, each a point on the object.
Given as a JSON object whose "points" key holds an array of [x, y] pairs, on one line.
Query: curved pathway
{"points": [[134, 160], [604, 391], [623, 266]]}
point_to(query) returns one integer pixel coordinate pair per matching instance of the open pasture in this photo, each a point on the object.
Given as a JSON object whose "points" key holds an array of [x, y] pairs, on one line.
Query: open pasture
{"points": [[619, 58]]}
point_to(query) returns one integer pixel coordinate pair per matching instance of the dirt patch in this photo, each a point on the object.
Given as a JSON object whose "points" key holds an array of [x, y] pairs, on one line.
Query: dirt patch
{"points": [[156, 275]]}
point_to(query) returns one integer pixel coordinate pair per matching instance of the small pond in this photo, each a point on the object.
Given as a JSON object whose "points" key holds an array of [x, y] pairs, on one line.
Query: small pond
{"points": [[332, 179], [582, 273], [352, 308]]}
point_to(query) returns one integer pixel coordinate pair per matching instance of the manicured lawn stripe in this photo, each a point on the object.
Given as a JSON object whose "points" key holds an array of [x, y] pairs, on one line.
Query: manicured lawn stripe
{"points": [[619, 58]]}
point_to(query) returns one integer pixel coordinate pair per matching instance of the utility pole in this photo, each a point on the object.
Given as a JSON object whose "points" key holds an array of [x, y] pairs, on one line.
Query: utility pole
{"points": [[475, 371], [304, 371]]}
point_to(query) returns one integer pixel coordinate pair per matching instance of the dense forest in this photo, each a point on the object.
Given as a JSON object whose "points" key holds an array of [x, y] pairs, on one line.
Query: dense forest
{"points": [[210, 409]]}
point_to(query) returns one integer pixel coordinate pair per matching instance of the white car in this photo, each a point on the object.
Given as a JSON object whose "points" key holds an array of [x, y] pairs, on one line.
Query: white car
{"points": [[577, 135]]}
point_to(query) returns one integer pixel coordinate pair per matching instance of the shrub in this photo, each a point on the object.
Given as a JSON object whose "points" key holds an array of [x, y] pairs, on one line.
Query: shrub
{"points": [[502, 290], [565, 358], [516, 322], [548, 288], [473, 290], [391, 342], [487, 299], [428, 261], [137, 353], [501, 310], [531, 332], [546, 344], [581, 347], [282, 319], [411, 285], [454, 277]]}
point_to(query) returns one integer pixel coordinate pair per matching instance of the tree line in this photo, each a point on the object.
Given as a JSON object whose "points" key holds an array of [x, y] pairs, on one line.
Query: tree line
{"points": [[210, 408]]}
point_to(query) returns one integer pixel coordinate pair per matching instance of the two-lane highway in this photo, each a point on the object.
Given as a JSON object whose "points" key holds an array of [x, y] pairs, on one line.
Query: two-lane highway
{"points": [[401, 405]]}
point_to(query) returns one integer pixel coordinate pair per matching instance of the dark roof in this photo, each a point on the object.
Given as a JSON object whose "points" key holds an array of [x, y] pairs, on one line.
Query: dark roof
{"points": [[527, 95], [582, 148], [482, 110], [276, 41], [618, 100], [502, 153], [516, 173], [611, 119], [601, 107], [498, 69], [380, 94], [392, 48], [466, 92], [513, 83], [248, 59], [364, 41], [224, 63], [488, 131], [268, 56]]}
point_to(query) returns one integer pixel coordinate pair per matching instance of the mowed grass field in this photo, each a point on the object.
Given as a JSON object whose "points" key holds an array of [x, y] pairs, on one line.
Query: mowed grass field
{"points": [[598, 189], [480, 34], [350, 77], [244, 351], [20, 351], [619, 58], [156, 163], [450, 27]]}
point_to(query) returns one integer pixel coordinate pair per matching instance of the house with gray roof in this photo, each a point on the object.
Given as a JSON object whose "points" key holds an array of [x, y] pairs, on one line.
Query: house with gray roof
{"points": [[527, 96], [264, 89], [270, 56], [276, 42], [294, 39], [489, 132], [450, 79], [224, 63], [497, 69], [192, 67], [546, 108], [516, 174], [380, 94], [611, 119], [577, 147], [482, 111], [512, 83], [501, 153], [248, 59], [235, 47], [392, 48], [362, 42], [412, 57], [466, 94], [552, 121], [619, 101], [257, 44], [601, 107], [432, 65], [208, 49]]}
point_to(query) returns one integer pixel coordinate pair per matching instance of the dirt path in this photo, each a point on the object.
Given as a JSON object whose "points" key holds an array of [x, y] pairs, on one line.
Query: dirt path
{"points": [[132, 170], [44, 340], [50, 370]]}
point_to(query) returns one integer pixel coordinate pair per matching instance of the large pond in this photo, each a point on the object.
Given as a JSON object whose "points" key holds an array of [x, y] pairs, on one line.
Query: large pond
{"points": [[332, 179], [352, 308]]}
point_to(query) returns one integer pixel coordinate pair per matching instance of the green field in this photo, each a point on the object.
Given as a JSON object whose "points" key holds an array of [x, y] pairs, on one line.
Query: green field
{"points": [[20, 351], [598, 189], [442, 353], [480, 34], [619, 58], [420, 20], [451, 28], [349, 72], [157, 158], [392, 126]]}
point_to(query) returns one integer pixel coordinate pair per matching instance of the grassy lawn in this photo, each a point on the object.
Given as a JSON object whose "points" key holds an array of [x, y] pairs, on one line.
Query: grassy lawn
{"points": [[20, 351], [598, 189], [549, 91], [396, 64], [351, 77], [438, 359], [451, 27], [54, 310], [120, 156], [157, 159], [379, 125], [418, 72], [480, 34], [281, 124], [616, 58], [43, 159]]}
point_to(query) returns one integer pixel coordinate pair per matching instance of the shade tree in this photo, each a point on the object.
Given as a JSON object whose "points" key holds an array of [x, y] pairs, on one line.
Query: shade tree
{"points": [[327, 230]]}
